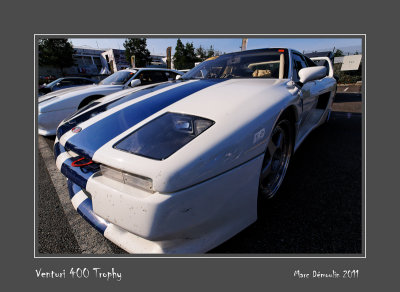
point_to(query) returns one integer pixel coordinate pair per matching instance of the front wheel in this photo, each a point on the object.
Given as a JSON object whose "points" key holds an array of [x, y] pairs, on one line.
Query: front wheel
{"points": [[276, 159]]}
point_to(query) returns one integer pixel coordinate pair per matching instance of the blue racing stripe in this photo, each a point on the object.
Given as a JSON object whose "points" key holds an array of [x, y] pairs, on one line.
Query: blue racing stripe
{"points": [[58, 150], [73, 188], [85, 209], [75, 119], [75, 174], [90, 139]]}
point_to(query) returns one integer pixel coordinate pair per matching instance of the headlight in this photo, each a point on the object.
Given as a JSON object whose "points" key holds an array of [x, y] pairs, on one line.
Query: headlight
{"points": [[164, 135], [127, 178]]}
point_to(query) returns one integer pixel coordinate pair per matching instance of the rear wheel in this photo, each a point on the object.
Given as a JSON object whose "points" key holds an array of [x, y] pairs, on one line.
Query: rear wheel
{"points": [[276, 159]]}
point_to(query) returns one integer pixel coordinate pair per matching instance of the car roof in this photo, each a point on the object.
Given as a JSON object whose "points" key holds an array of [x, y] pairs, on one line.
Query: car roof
{"points": [[150, 69], [255, 50], [74, 77]]}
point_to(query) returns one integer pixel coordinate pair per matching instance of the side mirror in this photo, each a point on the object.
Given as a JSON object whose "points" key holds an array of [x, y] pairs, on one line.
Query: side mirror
{"points": [[178, 77], [312, 73], [58, 84], [336, 77], [135, 82]]}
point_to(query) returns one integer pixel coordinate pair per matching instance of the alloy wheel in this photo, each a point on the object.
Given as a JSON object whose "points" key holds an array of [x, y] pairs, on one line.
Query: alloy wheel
{"points": [[276, 159]]}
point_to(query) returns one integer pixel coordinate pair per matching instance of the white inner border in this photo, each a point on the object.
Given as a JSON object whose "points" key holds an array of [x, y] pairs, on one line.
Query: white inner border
{"points": [[363, 93]]}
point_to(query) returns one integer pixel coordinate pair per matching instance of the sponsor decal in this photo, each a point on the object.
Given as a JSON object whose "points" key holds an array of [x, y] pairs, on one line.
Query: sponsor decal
{"points": [[76, 129], [259, 136], [82, 162]]}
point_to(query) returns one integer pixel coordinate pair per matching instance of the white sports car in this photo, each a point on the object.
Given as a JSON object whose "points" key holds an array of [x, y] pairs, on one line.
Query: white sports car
{"points": [[178, 167], [56, 106]]}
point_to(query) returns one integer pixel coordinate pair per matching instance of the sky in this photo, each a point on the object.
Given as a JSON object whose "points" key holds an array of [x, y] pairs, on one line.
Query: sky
{"points": [[158, 46]]}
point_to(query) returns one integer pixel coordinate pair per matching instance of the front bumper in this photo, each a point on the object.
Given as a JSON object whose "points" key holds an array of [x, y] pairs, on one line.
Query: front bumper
{"points": [[49, 121], [193, 220]]}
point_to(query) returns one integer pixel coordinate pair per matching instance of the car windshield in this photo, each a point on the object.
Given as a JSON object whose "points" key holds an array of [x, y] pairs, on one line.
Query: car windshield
{"points": [[118, 78], [54, 82], [266, 63]]}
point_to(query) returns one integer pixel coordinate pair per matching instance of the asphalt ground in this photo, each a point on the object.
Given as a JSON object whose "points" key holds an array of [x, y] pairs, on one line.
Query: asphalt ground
{"points": [[317, 210], [346, 88], [347, 102]]}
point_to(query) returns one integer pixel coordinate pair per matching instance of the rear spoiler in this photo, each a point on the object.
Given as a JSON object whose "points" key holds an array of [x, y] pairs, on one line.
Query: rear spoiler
{"points": [[329, 62]]}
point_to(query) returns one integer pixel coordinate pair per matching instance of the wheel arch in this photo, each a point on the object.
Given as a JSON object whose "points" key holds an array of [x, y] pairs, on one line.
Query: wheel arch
{"points": [[292, 114], [88, 99]]}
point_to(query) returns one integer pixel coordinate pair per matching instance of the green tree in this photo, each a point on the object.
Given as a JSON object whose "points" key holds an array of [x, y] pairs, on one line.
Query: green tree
{"points": [[211, 52], [201, 53], [57, 53], [338, 53], [190, 56], [179, 55], [138, 48], [186, 56]]}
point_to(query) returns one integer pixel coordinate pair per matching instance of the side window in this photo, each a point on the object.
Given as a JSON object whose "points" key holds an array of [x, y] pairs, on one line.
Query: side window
{"points": [[157, 76], [152, 76], [87, 81], [144, 77], [299, 63], [161, 76], [66, 82], [76, 81], [170, 75]]}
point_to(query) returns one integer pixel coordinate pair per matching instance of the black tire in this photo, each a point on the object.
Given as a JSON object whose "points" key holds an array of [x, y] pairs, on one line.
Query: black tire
{"points": [[276, 158]]}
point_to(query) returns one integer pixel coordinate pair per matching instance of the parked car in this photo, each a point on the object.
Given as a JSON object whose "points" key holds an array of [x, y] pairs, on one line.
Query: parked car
{"points": [[65, 82], [179, 167], [56, 106], [184, 70]]}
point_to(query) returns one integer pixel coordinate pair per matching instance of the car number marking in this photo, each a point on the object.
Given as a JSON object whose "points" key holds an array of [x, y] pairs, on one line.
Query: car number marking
{"points": [[259, 135]]}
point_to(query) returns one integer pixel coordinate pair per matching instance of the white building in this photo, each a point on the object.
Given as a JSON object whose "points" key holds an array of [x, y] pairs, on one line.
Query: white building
{"points": [[88, 61], [158, 61], [115, 60], [338, 60]]}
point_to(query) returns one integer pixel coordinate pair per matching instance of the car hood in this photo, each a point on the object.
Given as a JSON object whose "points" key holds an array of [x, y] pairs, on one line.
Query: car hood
{"points": [[86, 89], [64, 91], [229, 103]]}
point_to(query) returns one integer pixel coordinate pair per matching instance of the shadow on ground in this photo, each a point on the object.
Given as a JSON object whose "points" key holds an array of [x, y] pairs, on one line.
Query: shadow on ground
{"points": [[318, 208]]}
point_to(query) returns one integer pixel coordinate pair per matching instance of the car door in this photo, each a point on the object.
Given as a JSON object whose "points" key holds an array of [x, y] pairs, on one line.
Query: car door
{"points": [[308, 92], [326, 84]]}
